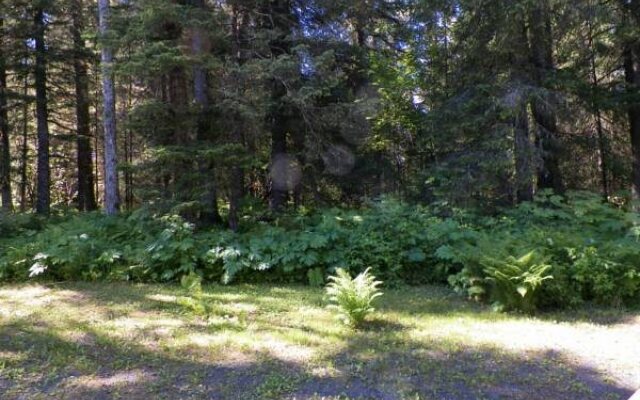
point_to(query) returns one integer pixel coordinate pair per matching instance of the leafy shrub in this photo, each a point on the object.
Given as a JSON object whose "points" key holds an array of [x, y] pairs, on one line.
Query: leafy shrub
{"points": [[353, 297], [174, 252], [85, 247], [592, 249], [398, 241], [92, 247], [515, 280], [19, 224]]}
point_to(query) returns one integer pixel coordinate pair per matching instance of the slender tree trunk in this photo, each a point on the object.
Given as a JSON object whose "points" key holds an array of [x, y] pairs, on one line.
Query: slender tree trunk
{"points": [[201, 96], [178, 99], [96, 130], [602, 141], [111, 196], [279, 19], [446, 52], [549, 176], [128, 176], [522, 151], [632, 76], [24, 154], [5, 153], [236, 191], [86, 194], [43, 197]]}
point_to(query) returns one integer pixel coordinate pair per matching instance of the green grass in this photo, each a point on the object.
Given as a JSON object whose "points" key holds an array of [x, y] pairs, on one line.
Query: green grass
{"points": [[88, 341]]}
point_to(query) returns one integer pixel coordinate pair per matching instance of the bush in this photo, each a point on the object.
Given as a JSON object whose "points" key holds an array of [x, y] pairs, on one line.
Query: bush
{"points": [[590, 249], [87, 247], [19, 224], [515, 281], [353, 297], [399, 242], [96, 247]]}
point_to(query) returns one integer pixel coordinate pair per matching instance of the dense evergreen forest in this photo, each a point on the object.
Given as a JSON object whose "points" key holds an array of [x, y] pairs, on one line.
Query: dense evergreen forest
{"points": [[324, 102], [258, 134]]}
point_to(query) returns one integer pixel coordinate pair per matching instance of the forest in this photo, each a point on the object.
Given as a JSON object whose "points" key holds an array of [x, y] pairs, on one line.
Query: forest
{"points": [[478, 158], [216, 107]]}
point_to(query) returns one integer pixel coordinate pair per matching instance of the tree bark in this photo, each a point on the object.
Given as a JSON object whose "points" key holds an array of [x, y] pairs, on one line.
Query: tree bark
{"points": [[279, 20], [128, 145], [111, 196], [201, 97], [541, 45], [24, 154], [43, 197], [86, 194], [5, 153], [236, 191], [602, 140], [520, 59], [522, 141], [632, 77]]}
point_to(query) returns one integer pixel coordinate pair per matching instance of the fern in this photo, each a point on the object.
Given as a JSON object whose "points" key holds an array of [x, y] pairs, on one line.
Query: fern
{"points": [[353, 298]]}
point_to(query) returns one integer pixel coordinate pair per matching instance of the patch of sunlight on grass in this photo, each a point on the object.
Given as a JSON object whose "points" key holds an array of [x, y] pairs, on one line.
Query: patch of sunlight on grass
{"points": [[283, 350], [207, 340], [241, 308], [118, 379], [164, 298], [8, 356], [111, 335], [24, 293], [229, 297], [307, 338], [143, 322]]}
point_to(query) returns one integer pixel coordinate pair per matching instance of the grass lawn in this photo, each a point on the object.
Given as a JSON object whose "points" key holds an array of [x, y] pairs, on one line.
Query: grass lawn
{"points": [[104, 341]]}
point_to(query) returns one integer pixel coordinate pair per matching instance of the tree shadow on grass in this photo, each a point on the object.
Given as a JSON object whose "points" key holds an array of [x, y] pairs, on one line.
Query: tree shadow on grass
{"points": [[595, 315], [442, 300], [366, 368], [424, 300], [382, 361], [380, 325], [442, 370]]}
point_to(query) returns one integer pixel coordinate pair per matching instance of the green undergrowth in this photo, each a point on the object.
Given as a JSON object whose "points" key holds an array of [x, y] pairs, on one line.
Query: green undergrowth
{"points": [[555, 252]]}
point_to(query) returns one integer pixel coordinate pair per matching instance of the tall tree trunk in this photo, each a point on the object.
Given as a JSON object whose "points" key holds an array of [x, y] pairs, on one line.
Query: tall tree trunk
{"points": [[631, 60], [201, 96], [128, 176], [524, 177], [5, 154], [96, 129], [279, 19], [111, 196], [178, 100], [540, 36], [602, 141], [43, 197], [86, 194], [24, 154], [522, 151], [236, 190], [632, 76]]}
